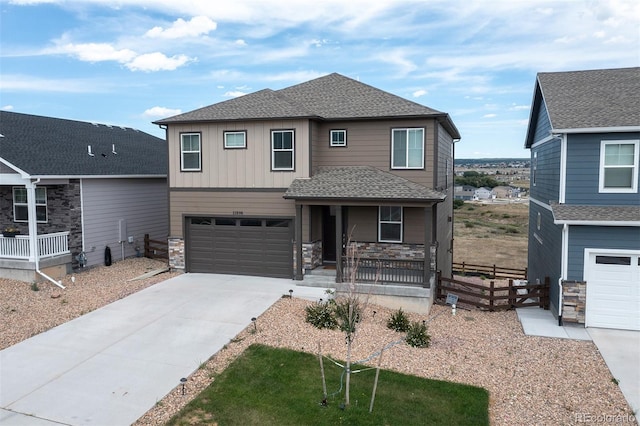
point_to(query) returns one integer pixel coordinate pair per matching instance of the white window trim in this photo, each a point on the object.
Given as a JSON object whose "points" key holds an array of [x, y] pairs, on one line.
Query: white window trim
{"points": [[331, 143], [235, 132], [292, 150], [634, 177], [381, 222], [407, 167], [199, 151], [46, 209]]}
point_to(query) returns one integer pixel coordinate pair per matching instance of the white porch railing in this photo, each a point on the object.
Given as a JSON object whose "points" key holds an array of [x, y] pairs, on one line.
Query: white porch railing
{"points": [[49, 245]]}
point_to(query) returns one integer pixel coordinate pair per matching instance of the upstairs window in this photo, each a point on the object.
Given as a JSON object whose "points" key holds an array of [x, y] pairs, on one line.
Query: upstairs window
{"points": [[235, 140], [338, 137], [619, 166], [282, 150], [407, 149], [190, 152], [20, 205], [390, 224]]}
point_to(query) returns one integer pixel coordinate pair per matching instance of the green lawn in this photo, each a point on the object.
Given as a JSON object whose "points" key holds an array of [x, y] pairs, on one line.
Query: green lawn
{"points": [[269, 386]]}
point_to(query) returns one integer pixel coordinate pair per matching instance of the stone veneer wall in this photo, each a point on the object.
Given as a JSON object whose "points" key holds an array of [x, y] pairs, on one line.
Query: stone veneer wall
{"points": [[176, 253], [389, 250], [574, 300], [64, 213]]}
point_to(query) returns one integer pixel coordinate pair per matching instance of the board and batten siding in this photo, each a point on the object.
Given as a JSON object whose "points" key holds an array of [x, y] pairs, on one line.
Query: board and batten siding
{"points": [[598, 237], [228, 204], [543, 125], [444, 217], [369, 144], [583, 171], [141, 203], [544, 250], [238, 168]]}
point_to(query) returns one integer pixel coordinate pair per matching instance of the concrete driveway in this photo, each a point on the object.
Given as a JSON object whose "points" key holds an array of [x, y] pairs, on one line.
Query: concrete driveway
{"points": [[111, 366]]}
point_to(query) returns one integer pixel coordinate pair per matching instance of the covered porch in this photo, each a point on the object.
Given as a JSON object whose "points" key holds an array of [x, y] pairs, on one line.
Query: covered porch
{"points": [[339, 223], [18, 262]]}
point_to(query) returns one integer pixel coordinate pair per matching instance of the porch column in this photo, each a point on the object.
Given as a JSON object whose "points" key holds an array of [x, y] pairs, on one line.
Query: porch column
{"points": [[298, 232], [428, 238], [338, 244], [33, 221]]}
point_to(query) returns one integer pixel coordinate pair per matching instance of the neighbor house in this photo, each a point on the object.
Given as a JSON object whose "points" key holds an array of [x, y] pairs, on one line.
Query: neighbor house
{"points": [[69, 189], [278, 182], [584, 221]]}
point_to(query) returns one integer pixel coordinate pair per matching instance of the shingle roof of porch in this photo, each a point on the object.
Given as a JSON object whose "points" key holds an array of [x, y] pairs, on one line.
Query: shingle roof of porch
{"points": [[361, 183]]}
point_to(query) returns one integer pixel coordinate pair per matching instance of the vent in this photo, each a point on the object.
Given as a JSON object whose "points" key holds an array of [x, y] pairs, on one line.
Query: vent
{"points": [[113, 149], [89, 151]]}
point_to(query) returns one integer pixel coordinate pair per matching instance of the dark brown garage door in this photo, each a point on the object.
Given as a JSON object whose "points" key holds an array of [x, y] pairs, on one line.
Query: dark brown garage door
{"points": [[244, 246]]}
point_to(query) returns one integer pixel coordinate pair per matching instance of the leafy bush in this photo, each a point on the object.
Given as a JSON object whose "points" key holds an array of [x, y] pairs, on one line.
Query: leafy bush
{"points": [[322, 315], [457, 204], [341, 309], [398, 321], [417, 335], [469, 225]]}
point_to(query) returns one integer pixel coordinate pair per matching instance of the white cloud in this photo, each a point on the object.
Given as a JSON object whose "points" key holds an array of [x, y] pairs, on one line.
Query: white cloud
{"points": [[197, 26], [515, 107], [240, 42], [29, 83], [161, 112], [234, 93], [489, 116], [7, 108], [97, 52], [419, 93], [157, 62]]}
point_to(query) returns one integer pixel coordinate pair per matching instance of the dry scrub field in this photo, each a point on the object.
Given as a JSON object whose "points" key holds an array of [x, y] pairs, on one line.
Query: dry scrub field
{"points": [[491, 233]]}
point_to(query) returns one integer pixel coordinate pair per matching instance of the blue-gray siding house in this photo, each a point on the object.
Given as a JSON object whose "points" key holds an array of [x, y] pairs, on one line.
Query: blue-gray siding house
{"points": [[584, 217], [71, 188]]}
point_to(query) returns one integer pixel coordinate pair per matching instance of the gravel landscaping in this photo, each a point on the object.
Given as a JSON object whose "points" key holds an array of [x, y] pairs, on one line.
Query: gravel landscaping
{"points": [[531, 380]]}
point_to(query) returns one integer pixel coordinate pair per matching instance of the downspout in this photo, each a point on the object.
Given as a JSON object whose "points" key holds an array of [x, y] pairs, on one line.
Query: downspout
{"points": [[564, 268], [33, 231]]}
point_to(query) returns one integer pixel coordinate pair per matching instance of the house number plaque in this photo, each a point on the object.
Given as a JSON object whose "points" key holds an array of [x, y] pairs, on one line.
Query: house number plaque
{"points": [[237, 213]]}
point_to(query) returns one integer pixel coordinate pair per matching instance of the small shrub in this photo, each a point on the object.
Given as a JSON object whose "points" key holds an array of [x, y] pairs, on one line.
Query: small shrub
{"points": [[34, 286], [321, 315], [470, 209], [512, 230], [506, 216], [469, 225], [398, 321], [417, 335], [457, 204], [341, 310]]}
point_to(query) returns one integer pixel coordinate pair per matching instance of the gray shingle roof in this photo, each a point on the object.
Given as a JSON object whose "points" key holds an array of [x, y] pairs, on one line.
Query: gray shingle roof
{"points": [[333, 96], [591, 99], [582, 213], [359, 182], [45, 146]]}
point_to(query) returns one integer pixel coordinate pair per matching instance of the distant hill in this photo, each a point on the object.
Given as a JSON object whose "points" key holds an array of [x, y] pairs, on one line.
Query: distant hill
{"points": [[492, 162]]}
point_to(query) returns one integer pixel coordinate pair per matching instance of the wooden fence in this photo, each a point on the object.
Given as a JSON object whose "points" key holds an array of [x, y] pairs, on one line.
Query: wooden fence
{"points": [[155, 249], [493, 298], [489, 271]]}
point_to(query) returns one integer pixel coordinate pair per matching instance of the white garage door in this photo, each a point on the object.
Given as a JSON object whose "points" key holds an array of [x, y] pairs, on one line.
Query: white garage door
{"points": [[613, 289]]}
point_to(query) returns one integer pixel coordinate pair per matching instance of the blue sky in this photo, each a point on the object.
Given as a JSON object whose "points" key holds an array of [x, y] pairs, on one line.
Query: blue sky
{"points": [[130, 62]]}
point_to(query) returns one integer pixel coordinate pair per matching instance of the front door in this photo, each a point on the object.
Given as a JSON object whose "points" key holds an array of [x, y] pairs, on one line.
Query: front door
{"points": [[328, 234]]}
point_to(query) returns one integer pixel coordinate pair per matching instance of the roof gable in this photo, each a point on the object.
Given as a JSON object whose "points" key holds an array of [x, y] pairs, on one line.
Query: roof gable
{"points": [[582, 100], [45, 146]]}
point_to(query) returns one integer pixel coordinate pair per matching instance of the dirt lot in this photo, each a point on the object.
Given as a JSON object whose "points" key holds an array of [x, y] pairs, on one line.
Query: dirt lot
{"points": [[491, 233]]}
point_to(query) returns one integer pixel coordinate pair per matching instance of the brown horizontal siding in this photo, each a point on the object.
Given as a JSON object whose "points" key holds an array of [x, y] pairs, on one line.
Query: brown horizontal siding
{"points": [[225, 203], [363, 224], [369, 143]]}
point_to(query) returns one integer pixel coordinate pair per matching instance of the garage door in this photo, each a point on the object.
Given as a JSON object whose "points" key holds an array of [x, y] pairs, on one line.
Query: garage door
{"points": [[245, 246], [613, 290]]}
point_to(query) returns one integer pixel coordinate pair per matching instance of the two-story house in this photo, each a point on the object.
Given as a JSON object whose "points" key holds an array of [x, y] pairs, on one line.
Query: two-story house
{"points": [[584, 220], [277, 182]]}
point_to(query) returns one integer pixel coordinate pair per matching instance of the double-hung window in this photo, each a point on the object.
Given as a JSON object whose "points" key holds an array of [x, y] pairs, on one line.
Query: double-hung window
{"points": [[619, 166], [235, 139], [282, 150], [20, 205], [407, 148], [190, 152], [338, 138], [390, 224]]}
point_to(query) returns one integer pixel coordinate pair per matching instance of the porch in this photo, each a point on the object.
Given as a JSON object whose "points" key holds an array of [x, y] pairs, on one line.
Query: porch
{"points": [[18, 262]]}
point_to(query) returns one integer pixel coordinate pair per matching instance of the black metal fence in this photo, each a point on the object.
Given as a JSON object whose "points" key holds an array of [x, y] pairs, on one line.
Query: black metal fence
{"points": [[383, 271]]}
